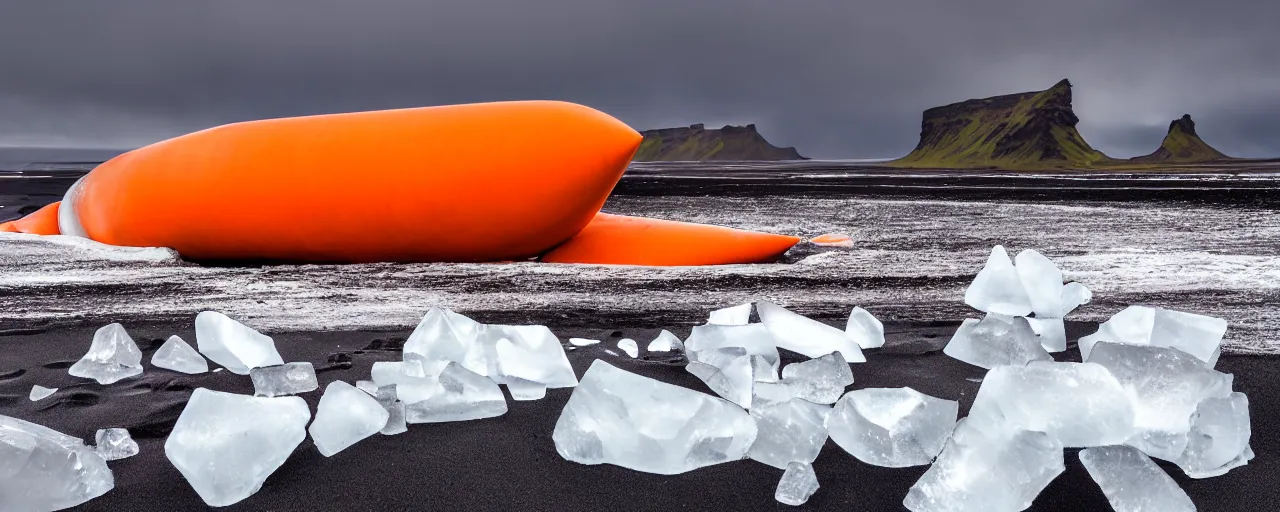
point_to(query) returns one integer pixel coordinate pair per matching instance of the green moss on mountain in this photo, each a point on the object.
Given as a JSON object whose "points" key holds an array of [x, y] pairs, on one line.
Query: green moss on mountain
{"points": [[1182, 145], [1033, 130], [696, 143]]}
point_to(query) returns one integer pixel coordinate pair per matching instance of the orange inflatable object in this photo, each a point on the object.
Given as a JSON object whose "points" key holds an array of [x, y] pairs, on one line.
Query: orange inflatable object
{"points": [[479, 182], [40, 222], [621, 240]]}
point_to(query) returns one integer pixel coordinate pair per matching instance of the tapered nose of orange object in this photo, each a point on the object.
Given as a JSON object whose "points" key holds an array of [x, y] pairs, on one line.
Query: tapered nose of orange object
{"points": [[622, 240], [40, 222]]}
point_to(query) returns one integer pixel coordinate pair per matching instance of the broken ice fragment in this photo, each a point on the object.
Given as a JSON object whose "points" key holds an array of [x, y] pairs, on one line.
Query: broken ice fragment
{"points": [[792, 431], [1074, 295], [396, 372], [529, 352], [523, 390], [864, 329], [396, 423], [1132, 482], [998, 287], [892, 427], [370, 387], [39, 392], [1198, 335], [234, 345], [736, 315], [996, 340], [727, 372], [754, 339], [463, 395], [983, 469], [180, 357], [42, 469], [665, 342], [582, 342], [112, 356], [798, 483], [1052, 332], [1042, 282], [617, 417], [445, 335], [807, 336], [115, 444], [285, 379], [1165, 385], [628, 345], [1219, 437], [226, 445], [1077, 404], [821, 380], [345, 416]]}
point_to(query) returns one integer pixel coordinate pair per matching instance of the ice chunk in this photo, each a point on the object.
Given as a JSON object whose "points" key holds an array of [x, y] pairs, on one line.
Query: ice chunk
{"points": [[728, 372], [807, 336], [1219, 438], [226, 445], [42, 469], [523, 390], [1164, 385], [798, 483], [1078, 404], [996, 340], [448, 336], [753, 338], [285, 379], [115, 444], [792, 431], [1132, 482], [39, 392], [892, 427], [998, 287], [396, 423], [112, 356], [628, 345], [736, 315], [983, 469], [665, 342], [1042, 281], [617, 417], [396, 372], [529, 352], [234, 345], [864, 329], [345, 416], [463, 395], [582, 342], [1052, 332], [1074, 295], [370, 387], [180, 357], [820, 380], [1198, 335]]}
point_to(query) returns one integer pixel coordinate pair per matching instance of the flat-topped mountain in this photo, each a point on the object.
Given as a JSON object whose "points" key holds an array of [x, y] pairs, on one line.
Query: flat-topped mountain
{"points": [[1182, 145], [1031, 130], [696, 143]]}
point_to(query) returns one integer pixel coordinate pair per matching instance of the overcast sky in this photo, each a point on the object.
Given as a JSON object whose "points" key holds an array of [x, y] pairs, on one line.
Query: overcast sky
{"points": [[835, 78]]}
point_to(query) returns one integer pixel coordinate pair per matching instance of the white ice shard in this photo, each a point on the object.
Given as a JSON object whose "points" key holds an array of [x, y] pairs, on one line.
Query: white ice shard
{"points": [[1074, 295], [226, 445], [285, 379], [370, 387], [797, 485], [391, 373], [1198, 335], [617, 417], [462, 395], [1165, 386], [448, 336], [665, 342], [523, 390], [1052, 333], [821, 381], [112, 356], [180, 357], [752, 338], [396, 423], [582, 342], [1042, 282], [998, 287], [39, 392], [529, 352], [791, 431], [736, 315], [345, 416], [234, 345], [629, 346], [115, 444], [43, 469], [983, 469], [806, 336], [864, 329], [996, 340], [1077, 404], [1132, 482], [1219, 437], [728, 372], [892, 427]]}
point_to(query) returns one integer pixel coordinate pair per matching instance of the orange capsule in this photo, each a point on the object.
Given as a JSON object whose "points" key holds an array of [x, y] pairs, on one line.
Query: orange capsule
{"points": [[621, 240]]}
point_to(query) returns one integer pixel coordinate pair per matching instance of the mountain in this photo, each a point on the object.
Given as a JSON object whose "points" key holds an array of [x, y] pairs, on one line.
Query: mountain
{"points": [[696, 143], [1182, 145], [1031, 130]]}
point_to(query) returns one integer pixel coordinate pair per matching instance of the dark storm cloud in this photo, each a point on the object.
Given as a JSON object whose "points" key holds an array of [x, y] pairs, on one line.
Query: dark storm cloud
{"points": [[836, 78]]}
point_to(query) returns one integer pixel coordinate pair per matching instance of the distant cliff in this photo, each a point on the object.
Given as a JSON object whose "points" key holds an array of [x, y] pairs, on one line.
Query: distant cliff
{"points": [[1182, 145], [696, 143], [1032, 130]]}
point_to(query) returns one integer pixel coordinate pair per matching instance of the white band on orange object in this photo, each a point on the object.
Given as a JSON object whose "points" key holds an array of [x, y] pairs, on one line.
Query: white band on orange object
{"points": [[68, 221]]}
